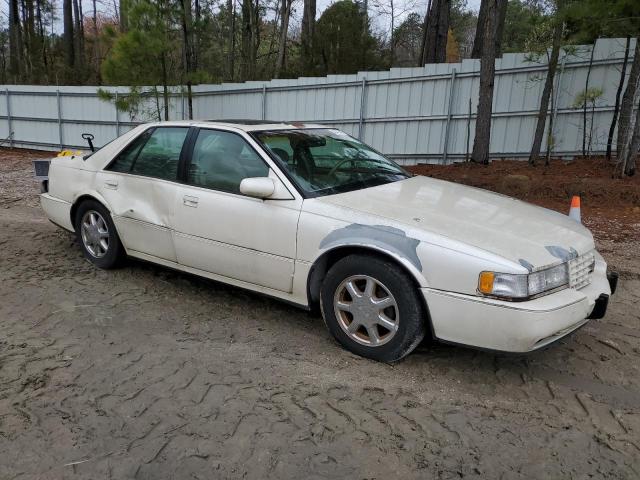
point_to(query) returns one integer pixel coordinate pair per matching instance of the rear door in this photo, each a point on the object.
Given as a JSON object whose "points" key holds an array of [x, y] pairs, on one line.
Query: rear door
{"points": [[140, 187], [220, 230]]}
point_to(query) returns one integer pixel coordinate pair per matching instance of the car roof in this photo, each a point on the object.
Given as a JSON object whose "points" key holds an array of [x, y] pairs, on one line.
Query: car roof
{"points": [[247, 125]]}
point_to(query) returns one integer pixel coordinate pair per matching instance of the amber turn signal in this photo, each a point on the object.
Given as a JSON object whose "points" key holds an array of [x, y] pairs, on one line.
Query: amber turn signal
{"points": [[485, 284]]}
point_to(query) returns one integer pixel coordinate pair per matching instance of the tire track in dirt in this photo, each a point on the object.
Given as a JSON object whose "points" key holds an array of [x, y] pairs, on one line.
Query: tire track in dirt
{"points": [[147, 373]]}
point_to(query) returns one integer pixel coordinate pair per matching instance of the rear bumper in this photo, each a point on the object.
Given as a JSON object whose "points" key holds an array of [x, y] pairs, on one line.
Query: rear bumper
{"points": [[58, 211], [517, 326]]}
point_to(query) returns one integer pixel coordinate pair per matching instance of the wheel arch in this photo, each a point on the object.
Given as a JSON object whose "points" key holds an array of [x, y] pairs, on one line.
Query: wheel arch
{"points": [[82, 198], [327, 259]]}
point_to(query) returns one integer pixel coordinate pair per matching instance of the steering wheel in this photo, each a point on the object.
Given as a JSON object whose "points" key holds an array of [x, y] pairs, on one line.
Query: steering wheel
{"points": [[340, 163]]}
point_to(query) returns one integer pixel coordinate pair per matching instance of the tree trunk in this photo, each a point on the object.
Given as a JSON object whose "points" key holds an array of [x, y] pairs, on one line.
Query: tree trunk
{"points": [[246, 72], [616, 108], [365, 31], [584, 105], [630, 167], [436, 32], [425, 29], [591, 120], [307, 33], [79, 40], [626, 107], [96, 43], [255, 37], [124, 15], [476, 52], [546, 93], [32, 72], [482, 139], [231, 40], [43, 41], [392, 49], [157, 97], [190, 100], [282, 47], [195, 38], [185, 18], [547, 157], [15, 41], [630, 143], [502, 16], [68, 38], [165, 88]]}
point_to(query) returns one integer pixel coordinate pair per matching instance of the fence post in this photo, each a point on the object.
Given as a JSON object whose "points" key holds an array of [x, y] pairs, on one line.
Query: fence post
{"points": [[264, 101], [59, 119], [9, 126], [448, 124], [117, 116], [466, 151], [363, 97]]}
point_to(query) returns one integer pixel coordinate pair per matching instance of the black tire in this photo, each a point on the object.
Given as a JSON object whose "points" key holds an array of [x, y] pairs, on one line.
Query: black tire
{"points": [[412, 320], [114, 254]]}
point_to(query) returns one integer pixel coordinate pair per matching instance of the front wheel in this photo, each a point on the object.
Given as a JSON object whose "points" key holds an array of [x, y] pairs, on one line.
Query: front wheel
{"points": [[372, 308], [97, 235]]}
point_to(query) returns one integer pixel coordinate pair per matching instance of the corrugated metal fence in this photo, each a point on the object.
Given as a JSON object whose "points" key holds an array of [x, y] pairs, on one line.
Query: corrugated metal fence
{"points": [[412, 114]]}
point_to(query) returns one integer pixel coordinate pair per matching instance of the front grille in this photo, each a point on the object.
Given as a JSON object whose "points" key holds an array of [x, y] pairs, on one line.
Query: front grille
{"points": [[580, 269], [42, 168]]}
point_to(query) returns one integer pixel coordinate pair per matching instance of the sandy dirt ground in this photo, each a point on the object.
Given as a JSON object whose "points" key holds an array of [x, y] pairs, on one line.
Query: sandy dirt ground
{"points": [[147, 373]]}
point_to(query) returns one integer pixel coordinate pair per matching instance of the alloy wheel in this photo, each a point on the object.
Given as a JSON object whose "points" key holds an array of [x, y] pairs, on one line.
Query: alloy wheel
{"points": [[95, 233], [366, 310]]}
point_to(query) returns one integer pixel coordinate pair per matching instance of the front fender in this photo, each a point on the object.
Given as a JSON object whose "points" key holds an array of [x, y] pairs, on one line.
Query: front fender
{"points": [[386, 240]]}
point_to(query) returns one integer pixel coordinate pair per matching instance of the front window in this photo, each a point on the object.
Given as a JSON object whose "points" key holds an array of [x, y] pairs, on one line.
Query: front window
{"points": [[327, 161], [221, 160]]}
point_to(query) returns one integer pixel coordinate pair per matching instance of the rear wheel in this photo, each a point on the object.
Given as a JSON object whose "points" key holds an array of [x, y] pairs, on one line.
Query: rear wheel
{"points": [[372, 308], [97, 235]]}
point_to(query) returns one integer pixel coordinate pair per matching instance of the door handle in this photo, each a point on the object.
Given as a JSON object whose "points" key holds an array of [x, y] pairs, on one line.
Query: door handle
{"points": [[112, 184], [190, 201]]}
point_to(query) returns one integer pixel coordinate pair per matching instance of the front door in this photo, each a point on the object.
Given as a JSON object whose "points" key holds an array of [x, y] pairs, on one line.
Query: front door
{"points": [[219, 230], [140, 188]]}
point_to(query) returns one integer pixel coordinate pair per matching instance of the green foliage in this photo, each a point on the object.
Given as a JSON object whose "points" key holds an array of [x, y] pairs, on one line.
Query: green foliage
{"points": [[590, 19], [344, 43], [408, 38], [462, 22], [138, 56], [589, 97], [527, 27], [150, 50], [142, 56]]}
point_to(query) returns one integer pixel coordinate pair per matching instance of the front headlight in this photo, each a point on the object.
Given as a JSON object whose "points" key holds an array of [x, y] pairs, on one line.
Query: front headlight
{"points": [[521, 287]]}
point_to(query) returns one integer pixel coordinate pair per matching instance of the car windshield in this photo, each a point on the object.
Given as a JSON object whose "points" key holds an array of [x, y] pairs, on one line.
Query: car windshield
{"points": [[327, 161]]}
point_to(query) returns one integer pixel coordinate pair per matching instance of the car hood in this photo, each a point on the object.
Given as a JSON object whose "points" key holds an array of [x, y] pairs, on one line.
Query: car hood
{"points": [[526, 234]]}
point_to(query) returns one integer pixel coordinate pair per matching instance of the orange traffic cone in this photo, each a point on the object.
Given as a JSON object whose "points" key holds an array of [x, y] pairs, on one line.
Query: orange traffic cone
{"points": [[574, 211]]}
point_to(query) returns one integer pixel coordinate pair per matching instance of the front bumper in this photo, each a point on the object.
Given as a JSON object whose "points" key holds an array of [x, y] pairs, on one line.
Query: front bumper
{"points": [[518, 326]]}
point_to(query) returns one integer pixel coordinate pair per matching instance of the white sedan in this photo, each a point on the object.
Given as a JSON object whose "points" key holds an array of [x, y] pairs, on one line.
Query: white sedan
{"points": [[313, 216]]}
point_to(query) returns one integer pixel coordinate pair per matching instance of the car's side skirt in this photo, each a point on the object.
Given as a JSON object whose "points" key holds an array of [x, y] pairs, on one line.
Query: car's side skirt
{"points": [[292, 298]]}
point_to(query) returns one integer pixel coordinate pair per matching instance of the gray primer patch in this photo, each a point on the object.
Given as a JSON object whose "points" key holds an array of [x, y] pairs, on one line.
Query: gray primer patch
{"points": [[562, 253], [526, 264], [388, 238]]}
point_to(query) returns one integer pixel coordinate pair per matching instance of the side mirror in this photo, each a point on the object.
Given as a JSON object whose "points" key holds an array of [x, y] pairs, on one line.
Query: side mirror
{"points": [[258, 187]]}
